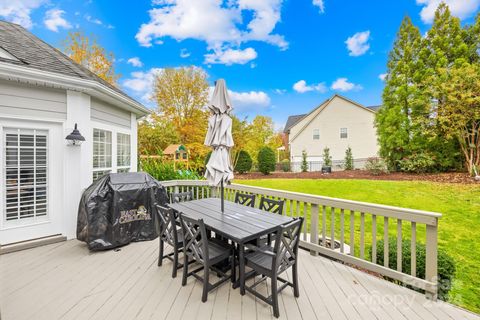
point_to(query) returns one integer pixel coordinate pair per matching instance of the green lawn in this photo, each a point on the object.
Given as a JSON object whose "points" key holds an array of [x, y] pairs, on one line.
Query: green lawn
{"points": [[459, 227]]}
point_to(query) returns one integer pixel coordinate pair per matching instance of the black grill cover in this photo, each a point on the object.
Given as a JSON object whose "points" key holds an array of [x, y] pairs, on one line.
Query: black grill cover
{"points": [[119, 208]]}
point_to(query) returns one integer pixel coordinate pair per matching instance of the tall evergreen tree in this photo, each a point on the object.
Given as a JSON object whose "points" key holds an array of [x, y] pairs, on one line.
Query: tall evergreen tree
{"points": [[473, 41], [445, 46], [445, 41], [401, 96]]}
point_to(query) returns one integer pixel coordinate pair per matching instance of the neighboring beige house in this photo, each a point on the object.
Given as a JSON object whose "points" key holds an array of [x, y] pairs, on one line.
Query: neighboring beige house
{"points": [[337, 123]]}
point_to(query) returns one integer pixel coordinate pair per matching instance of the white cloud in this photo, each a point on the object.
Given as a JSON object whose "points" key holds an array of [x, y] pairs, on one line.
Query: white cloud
{"points": [[54, 20], [90, 19], [459, 8], [141, 83], [135, 61], [97, 21], [280, 91], [231, 56], [19, 11], [342, 84], [221, 25], [302, 87], [320, 4], [249, 101], [184, 53], [382, 76], [357, 44]]}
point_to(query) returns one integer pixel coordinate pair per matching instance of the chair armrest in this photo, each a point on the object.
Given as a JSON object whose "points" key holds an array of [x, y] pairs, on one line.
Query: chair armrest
{"points": [[257, 249]]}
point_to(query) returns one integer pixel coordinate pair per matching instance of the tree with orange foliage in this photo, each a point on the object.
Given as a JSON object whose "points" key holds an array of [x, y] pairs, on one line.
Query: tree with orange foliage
{"points": [[181, 95], [88, 53]]}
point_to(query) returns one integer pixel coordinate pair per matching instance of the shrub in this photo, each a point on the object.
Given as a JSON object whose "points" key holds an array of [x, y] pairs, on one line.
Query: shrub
{"points": [[286, 165], [418, 163], [348, 159], [376, 166], [304, 166], [446, 264], [266, 160], [244, 162], [327, 158], [162, 170]]}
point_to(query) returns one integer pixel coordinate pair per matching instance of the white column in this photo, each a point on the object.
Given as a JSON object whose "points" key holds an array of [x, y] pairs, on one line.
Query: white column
{"points": [[77, 159], [133, 142]]}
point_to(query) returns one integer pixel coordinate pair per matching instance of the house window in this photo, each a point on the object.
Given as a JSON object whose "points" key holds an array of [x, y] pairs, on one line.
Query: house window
{"points": [[123, 152], [316, 134], [343, 133], [26, 177], [102, 153]]}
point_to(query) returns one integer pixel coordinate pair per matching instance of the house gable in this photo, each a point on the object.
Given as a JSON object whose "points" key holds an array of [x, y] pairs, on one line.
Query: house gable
{"points": [[337, 124], [301, 125]]}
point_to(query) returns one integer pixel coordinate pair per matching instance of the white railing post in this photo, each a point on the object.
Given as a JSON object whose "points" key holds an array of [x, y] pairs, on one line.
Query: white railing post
{"points": [[431, 261], [313, 227]]}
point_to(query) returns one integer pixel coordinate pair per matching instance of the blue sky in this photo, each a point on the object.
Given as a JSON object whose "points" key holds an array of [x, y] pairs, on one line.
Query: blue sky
{"points": [[278, 57]]}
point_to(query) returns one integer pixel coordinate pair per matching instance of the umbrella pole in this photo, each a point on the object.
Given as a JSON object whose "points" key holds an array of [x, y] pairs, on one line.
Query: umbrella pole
{"points": [[222, 196]]}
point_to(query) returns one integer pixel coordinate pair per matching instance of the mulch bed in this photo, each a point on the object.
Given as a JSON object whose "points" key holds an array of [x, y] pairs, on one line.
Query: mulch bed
{"points": [[450, 177]]}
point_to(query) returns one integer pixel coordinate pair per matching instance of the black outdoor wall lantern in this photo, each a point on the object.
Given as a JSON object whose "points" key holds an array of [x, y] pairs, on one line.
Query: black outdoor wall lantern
{"points": [[75, 138]]}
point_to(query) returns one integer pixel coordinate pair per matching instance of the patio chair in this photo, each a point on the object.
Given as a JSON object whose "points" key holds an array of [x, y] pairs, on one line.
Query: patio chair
{"points": [[206, 251], [245, 199], [182, 196], [171, 234], [273, 206], [270, 262]]}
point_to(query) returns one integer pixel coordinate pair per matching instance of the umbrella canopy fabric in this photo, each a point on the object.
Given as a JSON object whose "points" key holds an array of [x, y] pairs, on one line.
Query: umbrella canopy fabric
{"points": [[219, 131], [219, 167], [219, 136], [220, 102]]}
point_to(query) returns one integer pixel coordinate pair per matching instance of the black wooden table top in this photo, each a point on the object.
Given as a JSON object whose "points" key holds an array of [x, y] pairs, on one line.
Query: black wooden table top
{"points": [[238, 223]]}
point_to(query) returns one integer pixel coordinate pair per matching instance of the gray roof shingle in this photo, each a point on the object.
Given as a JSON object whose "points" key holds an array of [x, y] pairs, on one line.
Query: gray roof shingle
{"points": [[374, 108], [34, 53], [292, 120]]}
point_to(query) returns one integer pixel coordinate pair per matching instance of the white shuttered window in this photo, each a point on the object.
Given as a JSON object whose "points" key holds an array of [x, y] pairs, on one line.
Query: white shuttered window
{"points": [[25, 173], [102, 153], [123, 152]]}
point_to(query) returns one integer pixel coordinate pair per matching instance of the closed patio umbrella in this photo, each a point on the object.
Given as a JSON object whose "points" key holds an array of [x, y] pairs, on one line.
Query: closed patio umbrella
{"points": [[219, 136]]}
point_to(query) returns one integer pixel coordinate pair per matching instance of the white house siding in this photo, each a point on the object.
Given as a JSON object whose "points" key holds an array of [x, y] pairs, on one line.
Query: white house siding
{"points": [[70, 168], [28, 109], [28, 101], [328, 119], [106, 113]]}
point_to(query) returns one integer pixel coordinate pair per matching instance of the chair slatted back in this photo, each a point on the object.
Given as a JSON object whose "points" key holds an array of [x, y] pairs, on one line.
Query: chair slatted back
{"points": [[270, 205], [245, 199], [182, 196], [286, 245], [195, 238], [168, 226]]}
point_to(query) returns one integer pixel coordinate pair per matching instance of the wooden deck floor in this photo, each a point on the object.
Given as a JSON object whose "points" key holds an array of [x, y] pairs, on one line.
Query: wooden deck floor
{"points": [[66, 281]]}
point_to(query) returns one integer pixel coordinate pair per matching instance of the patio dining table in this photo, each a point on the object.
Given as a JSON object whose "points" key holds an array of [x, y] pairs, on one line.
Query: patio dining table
{"points": [[238, 223]]}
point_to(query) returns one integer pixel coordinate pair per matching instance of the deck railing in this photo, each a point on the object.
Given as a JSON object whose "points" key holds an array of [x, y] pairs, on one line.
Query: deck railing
{"points": [[348, 231]]}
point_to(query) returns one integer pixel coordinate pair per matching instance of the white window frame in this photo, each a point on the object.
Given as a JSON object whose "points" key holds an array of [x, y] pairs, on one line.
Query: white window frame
{"points": [[114, 130], [124, 168], [102, 169], [316, 134], [343, 133], [35, 219]]}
